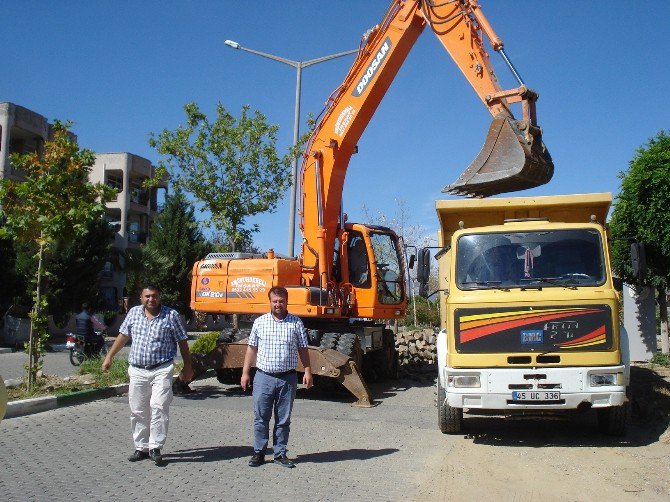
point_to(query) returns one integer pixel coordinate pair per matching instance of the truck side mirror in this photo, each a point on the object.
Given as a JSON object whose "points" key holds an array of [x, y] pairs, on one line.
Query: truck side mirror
{"points": [[638, 259], [423, 268]]}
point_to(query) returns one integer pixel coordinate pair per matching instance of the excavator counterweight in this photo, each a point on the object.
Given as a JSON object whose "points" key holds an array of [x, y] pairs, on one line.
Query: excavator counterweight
{"points": [[513, 158]]}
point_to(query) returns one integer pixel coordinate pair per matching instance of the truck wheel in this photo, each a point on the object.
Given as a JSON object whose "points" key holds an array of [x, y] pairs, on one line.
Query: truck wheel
{"points": [[450, 420], [613, 421]]}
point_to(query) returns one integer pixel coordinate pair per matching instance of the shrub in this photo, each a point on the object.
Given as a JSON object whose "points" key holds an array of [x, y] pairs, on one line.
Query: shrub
{"points": [[205, 343], [427, 313]]}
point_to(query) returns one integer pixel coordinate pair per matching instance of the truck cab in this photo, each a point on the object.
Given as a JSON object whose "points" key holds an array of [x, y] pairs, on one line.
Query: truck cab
{"points": [[530, 313]]}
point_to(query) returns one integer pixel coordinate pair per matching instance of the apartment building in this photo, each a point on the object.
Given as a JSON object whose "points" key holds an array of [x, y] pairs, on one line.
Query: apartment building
{"points": [[131, 213], [21, 131]]}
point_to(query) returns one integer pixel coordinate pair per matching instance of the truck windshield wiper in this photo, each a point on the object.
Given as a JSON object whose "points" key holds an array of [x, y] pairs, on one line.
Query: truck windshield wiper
{"points": [[548, 280], [496, 284]]}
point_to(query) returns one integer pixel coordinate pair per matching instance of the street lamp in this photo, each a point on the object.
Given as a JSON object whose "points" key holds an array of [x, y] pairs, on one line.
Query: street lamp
{"points": [[298, 65]]}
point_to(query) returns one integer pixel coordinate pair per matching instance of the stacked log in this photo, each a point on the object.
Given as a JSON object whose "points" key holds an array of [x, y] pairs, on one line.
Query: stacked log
{"points": [[416, 347]]}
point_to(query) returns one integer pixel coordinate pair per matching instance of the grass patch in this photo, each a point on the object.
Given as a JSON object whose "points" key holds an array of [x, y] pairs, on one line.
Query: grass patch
{"points": [[118, 372], [89, 371]]}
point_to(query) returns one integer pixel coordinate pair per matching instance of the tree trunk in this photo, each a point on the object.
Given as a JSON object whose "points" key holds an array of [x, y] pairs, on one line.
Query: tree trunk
{"points": [[33, 355], [663, 311]]}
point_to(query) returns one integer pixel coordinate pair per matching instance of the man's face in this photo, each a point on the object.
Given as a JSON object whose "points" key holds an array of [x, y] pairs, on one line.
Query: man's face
{"points": [[150, 299], [278, 306]]}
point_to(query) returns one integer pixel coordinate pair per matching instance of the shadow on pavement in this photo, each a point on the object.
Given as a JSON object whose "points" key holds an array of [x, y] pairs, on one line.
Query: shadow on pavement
{"points": [[343, 455], [213, 454], [203, 392]]}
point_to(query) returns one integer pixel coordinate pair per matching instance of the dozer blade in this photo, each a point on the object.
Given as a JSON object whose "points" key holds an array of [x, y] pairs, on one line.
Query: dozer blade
{"points": [[513, 158], [324, 362], [334, 364]]}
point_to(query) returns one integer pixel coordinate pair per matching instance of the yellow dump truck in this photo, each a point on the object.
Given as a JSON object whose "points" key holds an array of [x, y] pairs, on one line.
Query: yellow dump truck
{"points": [[530, 313]]}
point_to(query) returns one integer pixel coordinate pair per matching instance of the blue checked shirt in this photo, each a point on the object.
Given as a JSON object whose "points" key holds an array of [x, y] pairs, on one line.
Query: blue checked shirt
{"points": [[155, 340], [277, 342]]}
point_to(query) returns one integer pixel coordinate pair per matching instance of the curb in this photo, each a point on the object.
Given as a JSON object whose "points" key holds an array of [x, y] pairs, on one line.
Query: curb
{"points": [[4, 350], [40, 404]]}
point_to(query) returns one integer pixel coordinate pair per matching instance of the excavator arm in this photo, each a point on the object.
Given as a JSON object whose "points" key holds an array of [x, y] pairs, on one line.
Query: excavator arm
{"points": [[513, 157]]}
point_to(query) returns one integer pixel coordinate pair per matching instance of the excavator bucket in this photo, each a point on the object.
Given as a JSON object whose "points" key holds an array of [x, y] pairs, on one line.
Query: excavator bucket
{"points": [[324, 362], [513, 158]]}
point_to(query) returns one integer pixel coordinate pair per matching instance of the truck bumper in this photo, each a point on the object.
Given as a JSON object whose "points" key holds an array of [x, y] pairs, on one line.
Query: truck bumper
{"points": [[497, 388]]}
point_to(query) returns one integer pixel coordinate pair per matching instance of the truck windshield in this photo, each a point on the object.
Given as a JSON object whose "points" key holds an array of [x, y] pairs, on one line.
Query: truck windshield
{"points": [[556, 258], [388, 270]]}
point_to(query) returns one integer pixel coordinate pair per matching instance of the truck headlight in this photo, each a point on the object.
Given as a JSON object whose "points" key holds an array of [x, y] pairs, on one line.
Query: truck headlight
{"points": [[606, 379], [463, 381]]}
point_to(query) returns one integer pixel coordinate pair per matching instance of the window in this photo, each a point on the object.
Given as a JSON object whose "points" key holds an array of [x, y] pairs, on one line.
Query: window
{"points": [[387, 267], [359, 269], [115, 181], [556, 258]]}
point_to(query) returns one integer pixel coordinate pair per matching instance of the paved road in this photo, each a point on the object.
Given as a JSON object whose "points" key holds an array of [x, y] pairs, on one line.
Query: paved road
{"points": [[56, 361], [391, 452], [343, 453]]}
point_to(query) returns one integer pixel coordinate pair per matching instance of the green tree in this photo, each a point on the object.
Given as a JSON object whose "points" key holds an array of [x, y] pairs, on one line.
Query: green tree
{"points": [[142, 265], [176, 236], [55, 203], [641, 215], [10, 280], [75, 268], [231, 166]]}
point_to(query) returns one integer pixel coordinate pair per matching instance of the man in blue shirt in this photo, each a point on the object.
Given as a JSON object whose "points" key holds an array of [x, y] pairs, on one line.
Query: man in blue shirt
{"points": [[275, 341], [156, 331]]}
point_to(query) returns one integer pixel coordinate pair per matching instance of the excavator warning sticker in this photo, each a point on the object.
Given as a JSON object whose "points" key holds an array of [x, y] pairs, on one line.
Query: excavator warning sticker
{"points": [[373, 67], [344, 120], [248, 285]]}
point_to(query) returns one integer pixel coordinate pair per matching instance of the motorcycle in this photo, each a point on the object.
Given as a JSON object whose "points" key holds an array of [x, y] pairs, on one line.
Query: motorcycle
{"points": [[82, 347]]}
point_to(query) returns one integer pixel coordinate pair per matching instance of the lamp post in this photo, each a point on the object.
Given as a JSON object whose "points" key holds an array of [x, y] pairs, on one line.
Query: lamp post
{"points": [[298, 65]]}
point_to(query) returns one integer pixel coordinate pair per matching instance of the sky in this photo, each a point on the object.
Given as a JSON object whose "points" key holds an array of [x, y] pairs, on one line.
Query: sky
{"points": [[121, 70]]}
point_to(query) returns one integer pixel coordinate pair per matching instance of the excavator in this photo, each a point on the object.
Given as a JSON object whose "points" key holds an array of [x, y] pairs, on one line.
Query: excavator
{"points": [[349, 278]]}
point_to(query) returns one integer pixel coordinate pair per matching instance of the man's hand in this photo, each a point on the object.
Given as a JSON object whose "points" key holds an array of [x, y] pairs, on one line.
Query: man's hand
{"points": [[246, 380], [307, 379], [106, 364], [186, 374]]}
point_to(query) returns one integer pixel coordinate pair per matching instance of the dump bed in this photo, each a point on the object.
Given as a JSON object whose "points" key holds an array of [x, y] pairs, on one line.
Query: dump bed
{"points": [[578, 208]]}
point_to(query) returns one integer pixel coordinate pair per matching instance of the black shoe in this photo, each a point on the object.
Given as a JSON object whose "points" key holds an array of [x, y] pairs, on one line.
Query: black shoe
{"points": [[138, 455], [284, 461], [155, 455], [257, 459]]}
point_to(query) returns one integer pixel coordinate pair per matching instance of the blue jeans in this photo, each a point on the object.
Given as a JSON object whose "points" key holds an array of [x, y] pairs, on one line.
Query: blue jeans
{"points": [[273, 393]]}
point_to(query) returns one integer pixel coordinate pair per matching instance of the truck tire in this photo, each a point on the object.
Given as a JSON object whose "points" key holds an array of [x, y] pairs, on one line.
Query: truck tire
{"points": [[613, 421], [450, 420]]}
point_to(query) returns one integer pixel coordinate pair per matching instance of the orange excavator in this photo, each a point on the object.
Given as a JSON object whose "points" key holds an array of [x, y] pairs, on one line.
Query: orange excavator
{"points": [[349, 278]]}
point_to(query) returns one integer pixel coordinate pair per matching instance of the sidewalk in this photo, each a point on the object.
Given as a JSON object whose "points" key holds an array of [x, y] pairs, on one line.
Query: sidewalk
{"points": [[45, 403]]}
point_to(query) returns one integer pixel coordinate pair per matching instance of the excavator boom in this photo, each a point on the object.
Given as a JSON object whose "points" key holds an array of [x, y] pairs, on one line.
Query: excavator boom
{"points": [[513, 158], [350, 278]]}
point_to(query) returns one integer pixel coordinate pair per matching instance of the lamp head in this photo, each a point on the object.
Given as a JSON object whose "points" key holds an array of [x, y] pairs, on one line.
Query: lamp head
{"points": [[231, 43]]}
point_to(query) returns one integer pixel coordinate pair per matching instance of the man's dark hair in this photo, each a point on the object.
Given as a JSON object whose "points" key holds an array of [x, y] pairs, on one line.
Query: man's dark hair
{"points": [[151, 287], [84, 306], [278, 291]]}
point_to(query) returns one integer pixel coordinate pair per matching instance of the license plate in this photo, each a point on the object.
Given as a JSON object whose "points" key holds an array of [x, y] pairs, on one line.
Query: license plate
{"points": [[542, 395], [69, 345]]}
